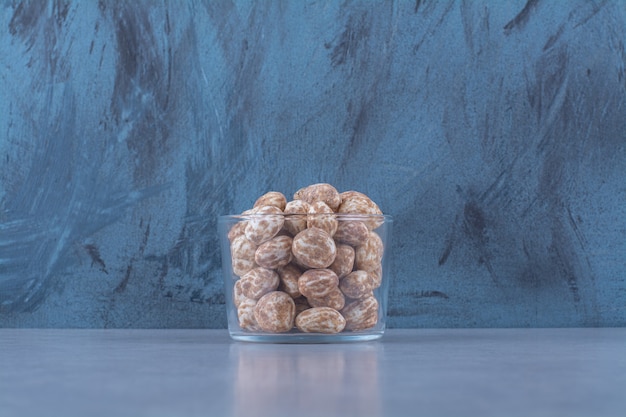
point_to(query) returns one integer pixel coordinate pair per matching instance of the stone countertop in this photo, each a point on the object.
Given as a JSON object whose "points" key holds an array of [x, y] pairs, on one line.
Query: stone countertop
{"points": [[430, 372]]}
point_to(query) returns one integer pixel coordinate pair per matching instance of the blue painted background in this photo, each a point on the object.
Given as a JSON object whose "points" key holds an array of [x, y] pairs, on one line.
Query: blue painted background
{"points": [[493, 132]]}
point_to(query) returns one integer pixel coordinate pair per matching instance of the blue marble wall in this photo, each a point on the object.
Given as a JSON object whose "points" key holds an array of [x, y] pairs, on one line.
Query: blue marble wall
{"points": [[493, 132]]}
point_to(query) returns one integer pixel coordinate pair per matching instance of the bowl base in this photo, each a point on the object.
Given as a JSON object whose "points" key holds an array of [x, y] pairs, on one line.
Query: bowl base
{"points": [[307, 337]]}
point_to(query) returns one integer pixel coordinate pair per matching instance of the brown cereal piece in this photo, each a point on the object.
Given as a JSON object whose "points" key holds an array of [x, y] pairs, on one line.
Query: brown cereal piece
{"points": [[272, 198], [245, 314], [322, 216], [239, 228], [354, 202], [238, 296], [357, 284], [320, 320], [242, 252], [316, 283], [377, 276], [361, 314], [351, 232], [295, 216], [289, 275], [319, 192], [314, 248], [236, 230], [274, 253], [334, 299], [368, 256], [242, 247], [344, 261], [258, 282], [242, 266], [275, 312], [264, 224]]}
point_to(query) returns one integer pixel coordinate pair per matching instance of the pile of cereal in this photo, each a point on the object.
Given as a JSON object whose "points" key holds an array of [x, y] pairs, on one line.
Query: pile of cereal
{"points": [[307, 263]]}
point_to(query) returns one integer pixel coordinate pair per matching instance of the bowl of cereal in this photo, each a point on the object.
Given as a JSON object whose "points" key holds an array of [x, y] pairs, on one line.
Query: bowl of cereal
{"points": [[310, 270]]}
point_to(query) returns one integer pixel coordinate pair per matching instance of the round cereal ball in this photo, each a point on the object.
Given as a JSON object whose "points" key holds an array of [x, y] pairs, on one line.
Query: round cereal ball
{"points": [[272, 198], [361, 314], [351, 232], [314, 248], [334, 299], [275, 312], [242, 251], [289, 275], [369, 255], [238, 296], [245, 315], [296, 216], [258, 282], [319, 192], [354, 202], [264, 224], [274, 253], [344, 260], [320, 320], [315, 283], [357, 284], [322, 216]]}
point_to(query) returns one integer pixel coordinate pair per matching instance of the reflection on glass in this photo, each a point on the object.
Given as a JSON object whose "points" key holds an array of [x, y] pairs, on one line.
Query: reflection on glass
{"points": [[305, 380]]}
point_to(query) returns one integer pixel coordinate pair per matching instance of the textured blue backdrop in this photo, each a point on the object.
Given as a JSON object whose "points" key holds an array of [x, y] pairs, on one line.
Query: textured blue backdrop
{"points": [[494, 133]]}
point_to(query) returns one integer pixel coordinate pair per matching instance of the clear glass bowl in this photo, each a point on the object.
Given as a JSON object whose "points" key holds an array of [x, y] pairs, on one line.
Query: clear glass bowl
{"points": [[306, 278]]}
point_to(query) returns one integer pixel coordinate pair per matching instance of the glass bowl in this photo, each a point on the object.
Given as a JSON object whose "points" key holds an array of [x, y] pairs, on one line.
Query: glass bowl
{"points": [[305, 278]]}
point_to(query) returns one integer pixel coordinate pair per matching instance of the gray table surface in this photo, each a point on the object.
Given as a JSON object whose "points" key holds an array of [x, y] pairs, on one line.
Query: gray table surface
{"points": [[424, 372]]}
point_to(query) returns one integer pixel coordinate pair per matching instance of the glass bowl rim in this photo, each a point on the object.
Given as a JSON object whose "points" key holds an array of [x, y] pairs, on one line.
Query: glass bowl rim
{"points": [[340, 216]]}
